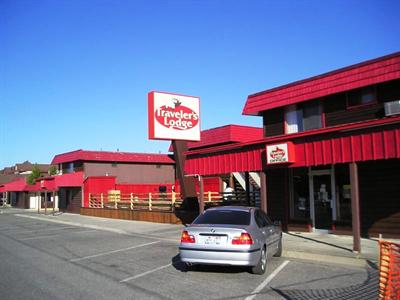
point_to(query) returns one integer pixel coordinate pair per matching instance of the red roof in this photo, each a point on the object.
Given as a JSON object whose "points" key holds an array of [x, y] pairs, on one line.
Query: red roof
{"points": [[105, 156], [225, 135], [18, 185], [356, 76]]}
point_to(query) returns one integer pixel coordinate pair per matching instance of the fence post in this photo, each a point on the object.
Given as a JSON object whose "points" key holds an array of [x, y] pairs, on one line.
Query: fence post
{"points": [[131, 201], [149, 201], [90, 200], [209, 196], [173, 199], [101, 200]]}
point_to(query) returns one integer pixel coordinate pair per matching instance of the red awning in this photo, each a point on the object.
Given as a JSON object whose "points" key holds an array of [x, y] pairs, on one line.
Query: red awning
{"points": [[18, 185], [338, 145], [69, 180]]}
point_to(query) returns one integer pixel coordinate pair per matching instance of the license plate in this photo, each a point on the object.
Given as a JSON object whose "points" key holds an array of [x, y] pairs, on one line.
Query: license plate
{"points": [[213, 240]]}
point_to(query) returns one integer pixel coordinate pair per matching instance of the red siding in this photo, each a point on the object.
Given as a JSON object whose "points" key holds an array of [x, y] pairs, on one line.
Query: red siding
{"points": [[97, 185], [364, 146], [357, 76]]}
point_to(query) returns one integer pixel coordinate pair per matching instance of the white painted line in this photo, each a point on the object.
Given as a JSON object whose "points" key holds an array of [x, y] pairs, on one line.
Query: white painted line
{"points": [[114, 251], [37, 237], [145, 273], [267, 280], [40, 230], [84, 231], [53, 235], [113, 230]]}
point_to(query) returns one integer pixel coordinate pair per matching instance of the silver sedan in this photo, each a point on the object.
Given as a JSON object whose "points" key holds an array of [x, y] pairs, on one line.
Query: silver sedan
{"points": [[231, 235]]}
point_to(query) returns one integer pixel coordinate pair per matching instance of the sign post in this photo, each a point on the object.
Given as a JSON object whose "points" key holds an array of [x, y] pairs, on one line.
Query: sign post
{"points": [[176, 117]]}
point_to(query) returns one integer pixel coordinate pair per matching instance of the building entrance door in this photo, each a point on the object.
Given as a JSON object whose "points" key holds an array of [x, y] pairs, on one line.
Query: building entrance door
{"points": [[322, 199]]}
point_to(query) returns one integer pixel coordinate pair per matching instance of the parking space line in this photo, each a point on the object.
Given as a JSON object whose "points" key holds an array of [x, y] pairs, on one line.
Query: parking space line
{"points": [[145, 273], [113, 230], [37, 237], [84, 231], [267, 280], [52, 235], [111, 252], [41, 230]]}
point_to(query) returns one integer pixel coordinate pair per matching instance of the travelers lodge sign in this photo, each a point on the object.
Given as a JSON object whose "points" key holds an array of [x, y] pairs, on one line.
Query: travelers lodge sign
{"points": [[280, 153], [173, 117]]}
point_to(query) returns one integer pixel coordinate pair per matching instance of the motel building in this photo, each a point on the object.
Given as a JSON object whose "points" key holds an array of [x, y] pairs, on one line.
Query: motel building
{"points": [[328, 159]]}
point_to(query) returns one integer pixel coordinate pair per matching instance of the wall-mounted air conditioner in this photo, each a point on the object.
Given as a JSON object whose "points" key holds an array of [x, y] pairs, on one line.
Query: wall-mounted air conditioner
{"points": [[392, 108]]}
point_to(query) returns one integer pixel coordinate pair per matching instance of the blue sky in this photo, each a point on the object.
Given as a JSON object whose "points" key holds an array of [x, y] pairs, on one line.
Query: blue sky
{"points": [[75, 74]]}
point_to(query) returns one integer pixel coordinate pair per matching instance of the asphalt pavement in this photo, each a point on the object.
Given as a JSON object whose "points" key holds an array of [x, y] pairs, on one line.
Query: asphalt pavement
{"points": [[69, 256]]}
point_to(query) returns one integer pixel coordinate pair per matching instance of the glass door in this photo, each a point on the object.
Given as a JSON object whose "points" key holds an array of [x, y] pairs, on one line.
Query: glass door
{"points": [[322, 198]]}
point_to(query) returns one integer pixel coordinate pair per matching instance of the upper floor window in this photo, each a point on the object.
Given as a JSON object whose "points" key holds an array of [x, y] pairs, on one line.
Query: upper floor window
{"points": [[303, 116], [364, 96], [70, 167]]}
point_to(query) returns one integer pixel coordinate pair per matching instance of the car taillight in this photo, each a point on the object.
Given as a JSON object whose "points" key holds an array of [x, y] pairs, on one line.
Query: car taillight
{"points": [[243, 239], [187, 238]]}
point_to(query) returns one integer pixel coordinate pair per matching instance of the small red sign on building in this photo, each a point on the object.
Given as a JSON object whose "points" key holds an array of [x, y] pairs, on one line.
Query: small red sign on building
{"points": [[280, 153]]}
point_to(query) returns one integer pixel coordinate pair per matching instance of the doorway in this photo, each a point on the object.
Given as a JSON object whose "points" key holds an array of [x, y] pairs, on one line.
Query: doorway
{"points": [[322, 198]]}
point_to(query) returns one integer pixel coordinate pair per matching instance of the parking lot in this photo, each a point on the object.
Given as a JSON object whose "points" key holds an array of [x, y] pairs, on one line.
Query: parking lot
{"points": [[51, 260]]}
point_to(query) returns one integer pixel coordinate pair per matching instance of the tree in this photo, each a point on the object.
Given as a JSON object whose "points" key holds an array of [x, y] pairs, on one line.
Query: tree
{"points": [[53, 170], [31, 179]]}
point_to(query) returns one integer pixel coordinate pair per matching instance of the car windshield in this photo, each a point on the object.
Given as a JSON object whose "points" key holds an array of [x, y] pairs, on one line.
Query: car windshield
{"points": [[233, 217]]}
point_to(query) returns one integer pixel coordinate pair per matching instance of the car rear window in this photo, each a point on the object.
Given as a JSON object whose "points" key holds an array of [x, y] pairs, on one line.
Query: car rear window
{"points": [[232, 217]]}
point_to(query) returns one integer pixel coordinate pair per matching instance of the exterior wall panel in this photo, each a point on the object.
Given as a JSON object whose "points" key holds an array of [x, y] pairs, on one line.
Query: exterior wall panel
{"points": [[132, 173]]}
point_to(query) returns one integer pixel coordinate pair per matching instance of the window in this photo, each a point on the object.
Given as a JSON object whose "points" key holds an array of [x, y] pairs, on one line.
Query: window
{"points": [[302, 117], [70, 167], [364, 96], [234, 217], [261, 219]]}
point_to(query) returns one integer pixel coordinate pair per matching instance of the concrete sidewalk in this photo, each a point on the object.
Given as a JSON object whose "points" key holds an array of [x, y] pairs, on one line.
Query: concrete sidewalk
{"points": [[311, 246]]}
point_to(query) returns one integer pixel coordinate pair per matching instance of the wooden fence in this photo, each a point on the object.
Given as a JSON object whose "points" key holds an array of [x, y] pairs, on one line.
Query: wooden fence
{"points": [[166, 201]]}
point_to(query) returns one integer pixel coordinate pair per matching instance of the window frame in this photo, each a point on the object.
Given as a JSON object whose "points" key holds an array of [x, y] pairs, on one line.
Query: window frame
{"points": [[300, 107], [362, 105]]}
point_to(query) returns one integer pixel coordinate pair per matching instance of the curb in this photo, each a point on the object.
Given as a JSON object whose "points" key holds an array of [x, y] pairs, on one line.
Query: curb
{"points": [[331, 259]]}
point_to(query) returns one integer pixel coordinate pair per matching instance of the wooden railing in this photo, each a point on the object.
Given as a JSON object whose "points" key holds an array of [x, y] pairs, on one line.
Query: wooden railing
{"points": [[166, 201]]}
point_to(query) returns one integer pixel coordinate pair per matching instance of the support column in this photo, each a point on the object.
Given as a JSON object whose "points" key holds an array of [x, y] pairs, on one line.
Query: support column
{"points": [[54, 202], [247, 183], [45, 203], [355, 207], [263, 191], [188, 188], [201, 196]]}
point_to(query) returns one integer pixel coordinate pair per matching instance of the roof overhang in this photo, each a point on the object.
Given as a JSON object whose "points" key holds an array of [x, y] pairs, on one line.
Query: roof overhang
{"points": [[371, 72]]}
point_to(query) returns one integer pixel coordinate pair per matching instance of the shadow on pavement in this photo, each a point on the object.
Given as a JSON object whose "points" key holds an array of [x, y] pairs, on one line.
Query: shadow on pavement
{"points": [[320, 242]]}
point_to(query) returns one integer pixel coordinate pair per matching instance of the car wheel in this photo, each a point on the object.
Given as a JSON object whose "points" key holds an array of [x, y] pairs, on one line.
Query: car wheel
{"points": [[262, 263], [279, 251], [192, 267]]}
